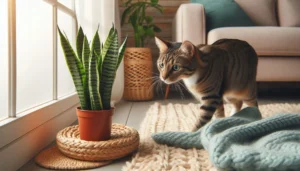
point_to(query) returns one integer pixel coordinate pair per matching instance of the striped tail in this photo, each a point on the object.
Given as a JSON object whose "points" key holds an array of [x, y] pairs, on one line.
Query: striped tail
{"points": [[179, 139]]}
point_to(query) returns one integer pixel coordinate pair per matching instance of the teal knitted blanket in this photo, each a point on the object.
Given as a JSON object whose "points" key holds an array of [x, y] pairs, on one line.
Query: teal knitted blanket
{"points": [[245, 142]]}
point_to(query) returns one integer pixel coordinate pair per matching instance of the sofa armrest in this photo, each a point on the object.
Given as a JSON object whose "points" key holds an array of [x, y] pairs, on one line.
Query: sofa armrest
{"points": [[189, 24]]}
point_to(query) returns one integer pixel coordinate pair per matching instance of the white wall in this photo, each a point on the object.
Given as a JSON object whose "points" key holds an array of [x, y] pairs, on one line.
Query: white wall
{"points": [[102, 13]]}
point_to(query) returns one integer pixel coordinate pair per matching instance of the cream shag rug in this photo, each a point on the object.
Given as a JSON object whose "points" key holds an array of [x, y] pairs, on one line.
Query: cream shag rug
{"points": [[178, 117]]}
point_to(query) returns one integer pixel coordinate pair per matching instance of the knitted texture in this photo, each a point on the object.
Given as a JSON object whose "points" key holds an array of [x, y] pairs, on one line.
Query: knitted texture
{"points": [[184, 118], [244, 142]]}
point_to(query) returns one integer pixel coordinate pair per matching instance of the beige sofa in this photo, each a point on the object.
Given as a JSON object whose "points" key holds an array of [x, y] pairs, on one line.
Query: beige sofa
{"points": [[276, 38]]}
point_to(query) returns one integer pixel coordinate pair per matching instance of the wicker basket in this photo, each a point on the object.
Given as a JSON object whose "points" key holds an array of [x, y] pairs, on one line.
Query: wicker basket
{"points": [[138, 74]]}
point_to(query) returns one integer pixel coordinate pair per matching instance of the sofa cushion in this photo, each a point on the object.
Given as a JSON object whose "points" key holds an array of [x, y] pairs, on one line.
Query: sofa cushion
{"points": [[267, 41], [289, 13], [261, 12], [223, 13], [278, 69]]}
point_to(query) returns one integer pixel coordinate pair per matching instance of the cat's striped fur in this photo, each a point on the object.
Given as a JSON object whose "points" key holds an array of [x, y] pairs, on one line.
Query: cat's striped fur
{"points": [[223, 71]]}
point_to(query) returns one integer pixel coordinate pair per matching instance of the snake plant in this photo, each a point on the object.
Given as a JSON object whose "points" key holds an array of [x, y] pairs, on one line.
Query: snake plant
{"points": [[93, 67]]}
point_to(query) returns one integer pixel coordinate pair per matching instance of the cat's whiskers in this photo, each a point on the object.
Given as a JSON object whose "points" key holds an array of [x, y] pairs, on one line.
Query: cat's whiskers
{"points": [[161, 89], [177, 87], [182, 85], [158, 85], [155, 82], [148, 78]]}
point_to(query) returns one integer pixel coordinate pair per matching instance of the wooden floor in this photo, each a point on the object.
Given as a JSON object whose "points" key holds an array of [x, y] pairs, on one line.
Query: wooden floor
{"points": [[132, 114]]}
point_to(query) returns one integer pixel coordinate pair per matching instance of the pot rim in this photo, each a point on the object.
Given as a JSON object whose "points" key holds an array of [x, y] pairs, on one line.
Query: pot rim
{"points": [[138, 48], [79, 108]]}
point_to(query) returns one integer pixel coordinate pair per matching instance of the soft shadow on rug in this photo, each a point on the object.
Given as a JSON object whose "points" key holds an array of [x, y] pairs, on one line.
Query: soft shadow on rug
{"points": [[178, 117]]}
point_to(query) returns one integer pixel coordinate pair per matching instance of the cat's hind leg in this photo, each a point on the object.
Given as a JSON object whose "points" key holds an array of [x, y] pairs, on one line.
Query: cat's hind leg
{"points": [[251, 99], [251, 102], [236, 105], [220, 111]]}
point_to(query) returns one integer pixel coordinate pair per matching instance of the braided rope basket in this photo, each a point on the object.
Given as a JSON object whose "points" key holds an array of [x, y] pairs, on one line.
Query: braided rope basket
{"points": [[124, 140], [138, 74]]}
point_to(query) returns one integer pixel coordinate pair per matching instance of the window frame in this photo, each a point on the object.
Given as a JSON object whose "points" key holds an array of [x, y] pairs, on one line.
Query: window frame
{"points": [[36, 116]]}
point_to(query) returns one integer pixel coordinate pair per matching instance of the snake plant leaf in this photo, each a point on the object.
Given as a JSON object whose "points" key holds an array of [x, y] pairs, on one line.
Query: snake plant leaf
{"points": [[121, 52], [109, 69], [93, 82], [96, 45], [99, 55], [79, 43], [86, 54], [108, 42], [85, 61], [97, 48], [76, 69], [99, 64]]}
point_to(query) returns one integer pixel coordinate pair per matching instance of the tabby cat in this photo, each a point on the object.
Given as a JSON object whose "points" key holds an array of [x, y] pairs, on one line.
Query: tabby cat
{"points": [[223, 71]]}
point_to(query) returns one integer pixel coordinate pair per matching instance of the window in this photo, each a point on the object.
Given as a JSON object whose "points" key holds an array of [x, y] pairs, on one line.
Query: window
{"points": [[37, 96], [32, 64], [65, 84], [67, 3], [3, 60], [34, 53]]}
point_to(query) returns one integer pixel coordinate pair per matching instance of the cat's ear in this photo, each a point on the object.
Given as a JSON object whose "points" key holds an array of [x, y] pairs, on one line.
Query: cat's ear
{"points": [[188, 48], [162, 45]]}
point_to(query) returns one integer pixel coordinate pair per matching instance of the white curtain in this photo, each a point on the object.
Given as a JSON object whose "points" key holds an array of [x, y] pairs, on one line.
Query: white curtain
{"points": [[92, 14]]}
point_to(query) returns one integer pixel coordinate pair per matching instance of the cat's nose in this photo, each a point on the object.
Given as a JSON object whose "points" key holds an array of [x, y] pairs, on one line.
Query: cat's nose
{"points": [[165, 80]]}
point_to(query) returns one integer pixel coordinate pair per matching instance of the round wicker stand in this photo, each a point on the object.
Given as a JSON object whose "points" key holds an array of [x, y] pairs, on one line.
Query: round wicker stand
{"points": [[124, 140], [138, 74]]}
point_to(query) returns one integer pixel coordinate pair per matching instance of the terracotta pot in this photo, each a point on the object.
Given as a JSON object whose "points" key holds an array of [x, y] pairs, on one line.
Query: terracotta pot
{"points": [[95, 125]]}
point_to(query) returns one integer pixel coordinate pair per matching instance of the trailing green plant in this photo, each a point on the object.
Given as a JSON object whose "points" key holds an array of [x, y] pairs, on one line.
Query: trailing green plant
{"points": [[143, 26], [93, 67]]}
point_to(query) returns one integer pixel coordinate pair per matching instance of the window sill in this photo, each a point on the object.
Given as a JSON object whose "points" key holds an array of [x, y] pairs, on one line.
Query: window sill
{"points": [[14, 128], [23, 137]]}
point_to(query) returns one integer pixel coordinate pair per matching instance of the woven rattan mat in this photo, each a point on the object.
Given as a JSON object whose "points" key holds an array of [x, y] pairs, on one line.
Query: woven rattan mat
{"points": [[72, 153], [52, 158], [179, 117], [124, 140]]}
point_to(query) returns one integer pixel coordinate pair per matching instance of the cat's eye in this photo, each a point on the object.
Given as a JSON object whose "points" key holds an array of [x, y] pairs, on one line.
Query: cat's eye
{"points": [[161, 65], [176, 67]]}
